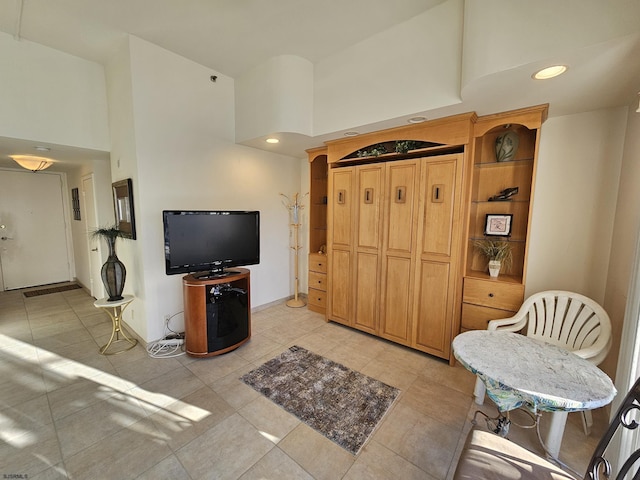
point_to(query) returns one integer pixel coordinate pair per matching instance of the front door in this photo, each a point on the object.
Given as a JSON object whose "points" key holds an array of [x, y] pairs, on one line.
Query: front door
{"points": [[33, 242]]}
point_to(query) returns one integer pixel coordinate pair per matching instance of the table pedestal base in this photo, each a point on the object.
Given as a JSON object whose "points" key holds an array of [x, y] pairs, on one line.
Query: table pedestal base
{"points": [[114, 310], [554, 436], [115, 338], [551, 444]]}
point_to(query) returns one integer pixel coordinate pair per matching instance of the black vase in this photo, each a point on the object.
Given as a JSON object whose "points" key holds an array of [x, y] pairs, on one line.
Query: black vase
{"points": [[113, 273]]}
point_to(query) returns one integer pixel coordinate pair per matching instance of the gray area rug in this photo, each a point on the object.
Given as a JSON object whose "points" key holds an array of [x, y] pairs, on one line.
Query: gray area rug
{"points": [[342, 404]]}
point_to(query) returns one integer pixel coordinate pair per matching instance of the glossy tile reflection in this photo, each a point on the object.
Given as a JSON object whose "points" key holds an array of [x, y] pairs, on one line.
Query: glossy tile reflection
{"points": [[68, 412]]}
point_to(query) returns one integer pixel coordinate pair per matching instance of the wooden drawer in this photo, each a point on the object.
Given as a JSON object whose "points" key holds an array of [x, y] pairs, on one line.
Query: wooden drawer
{"points": [[475, 317], [317, 263], [317, 298], [493, 294], [318, 281]]}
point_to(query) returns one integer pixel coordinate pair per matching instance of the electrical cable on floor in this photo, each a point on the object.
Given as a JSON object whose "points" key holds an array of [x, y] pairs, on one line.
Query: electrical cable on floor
{"points": [[550, 456], [170, 345], [500, 426]]}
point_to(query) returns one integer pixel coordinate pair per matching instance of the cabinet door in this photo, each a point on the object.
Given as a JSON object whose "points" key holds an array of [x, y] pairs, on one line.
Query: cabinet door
{"points": [[340, 242], [433, 323], [439, 228], [342, 208], [339, 292], [399, 249], [367, 248]]}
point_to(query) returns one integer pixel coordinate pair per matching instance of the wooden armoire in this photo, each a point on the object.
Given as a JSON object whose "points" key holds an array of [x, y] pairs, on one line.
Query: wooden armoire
{"points": [[403, 207], [395, 226]]}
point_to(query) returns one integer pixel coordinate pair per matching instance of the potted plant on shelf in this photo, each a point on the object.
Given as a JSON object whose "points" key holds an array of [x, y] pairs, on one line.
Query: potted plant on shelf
{"points": [[498, 252], [113, 271]]}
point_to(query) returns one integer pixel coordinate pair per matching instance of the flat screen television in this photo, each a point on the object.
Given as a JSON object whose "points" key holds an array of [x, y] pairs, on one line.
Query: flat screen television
{"points": [[207, 242]]}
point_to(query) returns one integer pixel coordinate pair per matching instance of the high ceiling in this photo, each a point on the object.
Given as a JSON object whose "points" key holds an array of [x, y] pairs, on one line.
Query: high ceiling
{"points": [[229, 36], [232, 36]]}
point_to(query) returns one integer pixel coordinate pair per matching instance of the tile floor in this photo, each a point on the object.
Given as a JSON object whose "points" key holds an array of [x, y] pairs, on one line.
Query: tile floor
{"points": [[68, 412]]}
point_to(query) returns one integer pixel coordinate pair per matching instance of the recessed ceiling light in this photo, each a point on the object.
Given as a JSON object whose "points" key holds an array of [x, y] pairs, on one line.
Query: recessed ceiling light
{"points": [[272, 140], [418, 119], [40, 148], [550, 72], [351, 134]]}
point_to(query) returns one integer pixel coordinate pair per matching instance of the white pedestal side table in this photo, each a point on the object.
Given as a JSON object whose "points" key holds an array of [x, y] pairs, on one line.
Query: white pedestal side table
{"points": [[114, 310]]}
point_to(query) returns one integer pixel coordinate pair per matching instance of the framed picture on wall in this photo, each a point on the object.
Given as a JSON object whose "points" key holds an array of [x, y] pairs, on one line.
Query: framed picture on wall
{"points": [[75, 203], [498, 225], [123, 205]]}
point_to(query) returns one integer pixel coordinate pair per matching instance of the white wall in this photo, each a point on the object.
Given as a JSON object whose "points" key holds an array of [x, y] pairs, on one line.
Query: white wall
{"points": [[575, 202], [625, 236], [49, 96], [184, 158], [412, 67], [276, 96], [124, 165], [52, 97]]}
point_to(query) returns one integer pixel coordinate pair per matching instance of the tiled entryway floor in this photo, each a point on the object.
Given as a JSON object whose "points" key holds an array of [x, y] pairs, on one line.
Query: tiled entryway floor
{"points": [[68, 412]]}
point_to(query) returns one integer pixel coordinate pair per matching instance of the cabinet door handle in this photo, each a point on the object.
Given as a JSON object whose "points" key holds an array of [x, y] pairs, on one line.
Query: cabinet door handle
{"points": [[491, 295], [341, 197], [401, 194], [368, 195], [437, 194]]}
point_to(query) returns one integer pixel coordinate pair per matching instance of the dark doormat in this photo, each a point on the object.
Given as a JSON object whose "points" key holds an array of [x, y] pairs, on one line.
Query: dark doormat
{"points": [[342, 404], [47, 291]]}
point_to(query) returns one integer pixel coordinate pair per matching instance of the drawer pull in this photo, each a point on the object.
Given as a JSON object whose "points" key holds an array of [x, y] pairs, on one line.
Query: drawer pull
{"points": [[491, 295]]}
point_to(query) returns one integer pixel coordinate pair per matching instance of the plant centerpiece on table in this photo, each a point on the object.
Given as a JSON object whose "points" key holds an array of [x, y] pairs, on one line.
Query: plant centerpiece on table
{"points": [[498, 252], [113, 271]]}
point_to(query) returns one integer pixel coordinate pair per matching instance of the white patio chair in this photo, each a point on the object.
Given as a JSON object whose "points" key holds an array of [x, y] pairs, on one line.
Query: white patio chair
{"points": [[566, 319]]}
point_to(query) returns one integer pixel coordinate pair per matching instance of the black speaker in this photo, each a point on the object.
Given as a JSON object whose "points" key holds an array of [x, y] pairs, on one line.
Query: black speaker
{"points": [[227, 313]]}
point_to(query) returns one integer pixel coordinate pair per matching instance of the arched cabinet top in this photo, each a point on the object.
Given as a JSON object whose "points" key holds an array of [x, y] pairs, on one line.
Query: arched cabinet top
{"points": [[531, 118], [315, 153], [442, 133]]}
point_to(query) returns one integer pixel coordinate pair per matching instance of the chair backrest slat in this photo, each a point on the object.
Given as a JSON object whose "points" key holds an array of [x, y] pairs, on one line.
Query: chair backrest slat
{"points": [[569, 321], [561, 304]]}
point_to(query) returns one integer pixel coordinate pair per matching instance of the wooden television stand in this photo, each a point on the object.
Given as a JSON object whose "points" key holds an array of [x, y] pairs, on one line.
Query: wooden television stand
{"points": [[217, 312]]}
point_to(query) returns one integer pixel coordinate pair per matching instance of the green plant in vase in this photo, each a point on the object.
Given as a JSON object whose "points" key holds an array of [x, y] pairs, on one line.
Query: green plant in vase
{"points": [[113, 271], [498, 252]]}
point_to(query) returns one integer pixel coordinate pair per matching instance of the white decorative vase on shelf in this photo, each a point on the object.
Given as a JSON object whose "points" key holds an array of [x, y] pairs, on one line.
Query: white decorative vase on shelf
{"points": [[494, 268]]}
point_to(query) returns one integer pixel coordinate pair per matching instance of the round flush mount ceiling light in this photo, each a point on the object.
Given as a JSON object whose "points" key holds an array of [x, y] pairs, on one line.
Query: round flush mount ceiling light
{"points": [[30, 162], [272, 140], [550, 72], [418, 119]]}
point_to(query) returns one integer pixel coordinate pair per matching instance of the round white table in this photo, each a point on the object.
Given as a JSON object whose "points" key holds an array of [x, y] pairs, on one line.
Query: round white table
{"points": [[114, 309], [520, 371]]}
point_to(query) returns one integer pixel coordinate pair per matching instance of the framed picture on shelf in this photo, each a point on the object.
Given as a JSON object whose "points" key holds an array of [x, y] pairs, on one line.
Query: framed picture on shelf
{"points": [[498, 225]]}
